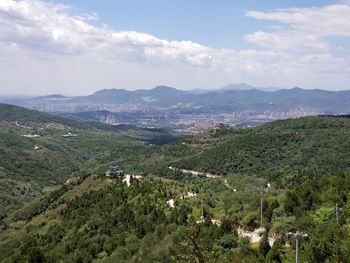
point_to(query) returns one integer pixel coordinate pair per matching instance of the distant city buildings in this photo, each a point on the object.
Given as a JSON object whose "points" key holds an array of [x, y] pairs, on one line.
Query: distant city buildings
{"points": [[187, 120]]}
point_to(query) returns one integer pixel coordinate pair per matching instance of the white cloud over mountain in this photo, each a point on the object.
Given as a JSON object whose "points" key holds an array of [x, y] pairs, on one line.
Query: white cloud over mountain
{"points": [[50, 49]]}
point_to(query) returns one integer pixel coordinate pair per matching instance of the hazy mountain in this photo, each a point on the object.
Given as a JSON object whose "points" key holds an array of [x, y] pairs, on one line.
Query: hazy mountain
{"points": [[281, 100], [244, 86], [237, 97], [52, 96], [237, 86], [160, 95], [240, 97]]}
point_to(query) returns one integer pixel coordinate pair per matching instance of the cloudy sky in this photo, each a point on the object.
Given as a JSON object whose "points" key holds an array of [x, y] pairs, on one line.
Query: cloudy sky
{"points": [[79, 46]]}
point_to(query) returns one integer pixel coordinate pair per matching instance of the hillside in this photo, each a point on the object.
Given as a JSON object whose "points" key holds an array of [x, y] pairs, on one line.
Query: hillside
{"points": [[283, 151], [93, 219], [15, 113], [304, 147], [34, 156]]}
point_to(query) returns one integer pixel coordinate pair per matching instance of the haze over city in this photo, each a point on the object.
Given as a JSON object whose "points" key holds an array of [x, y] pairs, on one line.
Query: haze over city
{"points": [[79, 47]]}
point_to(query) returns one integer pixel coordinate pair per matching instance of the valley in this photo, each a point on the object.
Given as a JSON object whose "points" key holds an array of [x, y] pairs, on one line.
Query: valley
{"points": [[191, 111], [174, 131], [200, 197]]}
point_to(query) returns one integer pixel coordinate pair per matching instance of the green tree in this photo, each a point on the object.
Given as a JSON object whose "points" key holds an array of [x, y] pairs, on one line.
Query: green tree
{"points": [[30, 252], [275, 253], [264, 246]]}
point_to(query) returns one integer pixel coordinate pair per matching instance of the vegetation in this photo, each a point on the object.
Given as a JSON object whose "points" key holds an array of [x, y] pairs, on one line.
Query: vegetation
{"points": [[298, 169], [97, 220], [281, 151], [31, 166]]}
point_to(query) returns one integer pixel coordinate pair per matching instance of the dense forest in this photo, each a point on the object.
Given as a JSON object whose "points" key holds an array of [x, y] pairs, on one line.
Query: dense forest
{"points": [[304, 147], [287, 151], [95, 220], [275, 179]]}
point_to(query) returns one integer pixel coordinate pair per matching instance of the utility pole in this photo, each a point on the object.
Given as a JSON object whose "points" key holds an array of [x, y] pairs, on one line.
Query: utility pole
{"points": [[261, 205], [297, 236], [202, 209], [337, 211]]}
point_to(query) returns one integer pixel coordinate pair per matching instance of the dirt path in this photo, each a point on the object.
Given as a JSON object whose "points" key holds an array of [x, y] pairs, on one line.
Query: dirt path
{"points": [[255, 235], [195, 173]]}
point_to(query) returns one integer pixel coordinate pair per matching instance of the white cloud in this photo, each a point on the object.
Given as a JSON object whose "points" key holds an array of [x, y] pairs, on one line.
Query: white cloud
{"points": [[88, 17], [285, 40], [308, 27], [53, 50], [45, 27]]}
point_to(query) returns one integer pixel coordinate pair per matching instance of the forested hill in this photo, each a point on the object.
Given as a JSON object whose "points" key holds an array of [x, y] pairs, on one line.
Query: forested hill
{"points": [[284, 149], [34, 155], [10, 112], [91, 218]]}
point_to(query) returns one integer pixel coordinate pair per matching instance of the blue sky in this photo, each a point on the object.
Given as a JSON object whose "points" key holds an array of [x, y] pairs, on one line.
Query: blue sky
{"points": [[219, 24], [79, 46]]}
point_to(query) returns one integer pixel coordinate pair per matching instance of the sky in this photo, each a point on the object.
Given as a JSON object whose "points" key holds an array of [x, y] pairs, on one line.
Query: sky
{"points": [[77, 47]]}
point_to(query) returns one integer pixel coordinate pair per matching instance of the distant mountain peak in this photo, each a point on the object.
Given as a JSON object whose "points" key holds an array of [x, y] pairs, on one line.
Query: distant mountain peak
{"points": [[245, 86], [163, 87], [52, 96], [237, 86], [106, 91]]}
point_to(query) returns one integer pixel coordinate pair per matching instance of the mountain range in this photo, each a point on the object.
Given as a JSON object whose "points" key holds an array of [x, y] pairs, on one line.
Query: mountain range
{"points": [[229, 99], [239, 97]]}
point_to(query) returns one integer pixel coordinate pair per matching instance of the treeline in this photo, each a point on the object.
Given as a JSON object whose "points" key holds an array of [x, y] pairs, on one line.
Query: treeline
{"points": [[131, 224], [306, 147], [121, 224]]}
